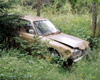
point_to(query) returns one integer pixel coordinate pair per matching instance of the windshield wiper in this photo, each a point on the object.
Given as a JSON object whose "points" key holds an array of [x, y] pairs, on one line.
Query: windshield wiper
{"points": [[52, 33], [49, 34], [58, 32]]}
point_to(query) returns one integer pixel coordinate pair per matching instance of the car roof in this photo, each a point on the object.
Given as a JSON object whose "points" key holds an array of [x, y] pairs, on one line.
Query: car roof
{"points": [[33, 18]]}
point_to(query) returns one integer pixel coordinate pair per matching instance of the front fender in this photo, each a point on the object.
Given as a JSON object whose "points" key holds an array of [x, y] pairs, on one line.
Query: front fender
{"points": [[62, 49]]}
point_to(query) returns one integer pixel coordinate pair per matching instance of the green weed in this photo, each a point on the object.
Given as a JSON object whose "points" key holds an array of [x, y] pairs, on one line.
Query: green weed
{"points": [[15, 65]]}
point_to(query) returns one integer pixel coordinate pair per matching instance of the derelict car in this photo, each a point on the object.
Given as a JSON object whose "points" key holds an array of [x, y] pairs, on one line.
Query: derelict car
{"points": [[73, 48]]}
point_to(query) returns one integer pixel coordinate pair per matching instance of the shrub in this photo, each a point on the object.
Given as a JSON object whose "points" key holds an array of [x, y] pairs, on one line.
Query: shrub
{"points": [[13, 68], [36, 49], [7, 21]]}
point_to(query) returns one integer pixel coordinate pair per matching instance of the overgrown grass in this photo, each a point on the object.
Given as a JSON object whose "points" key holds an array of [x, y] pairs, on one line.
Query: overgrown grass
{"points": [[13, 67], [16, 66]]}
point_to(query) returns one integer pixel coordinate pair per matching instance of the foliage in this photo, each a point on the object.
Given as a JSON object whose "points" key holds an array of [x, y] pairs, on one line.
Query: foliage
{"points": [[60, 3], [33, 3], [81, 7], [95, 42], [65, 9], [36, 48], [7, 22], [15, 64], [88, 68], [61, 61], [28, 67]]}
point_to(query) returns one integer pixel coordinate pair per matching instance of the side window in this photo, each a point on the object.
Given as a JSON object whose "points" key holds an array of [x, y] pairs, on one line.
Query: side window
{"points": [[26, 26]]}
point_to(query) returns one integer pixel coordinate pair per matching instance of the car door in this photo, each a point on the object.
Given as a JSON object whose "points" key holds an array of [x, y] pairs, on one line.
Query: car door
{"points": [[26, 31]]}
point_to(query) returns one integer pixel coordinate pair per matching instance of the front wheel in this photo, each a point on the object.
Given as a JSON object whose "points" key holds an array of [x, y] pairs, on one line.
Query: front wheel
{"points": [[54, 54]]}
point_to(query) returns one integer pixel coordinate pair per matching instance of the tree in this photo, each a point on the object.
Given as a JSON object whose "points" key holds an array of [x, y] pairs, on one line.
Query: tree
{"points": [[38, 7], [7, 21], [98, 29], [94, 19]]}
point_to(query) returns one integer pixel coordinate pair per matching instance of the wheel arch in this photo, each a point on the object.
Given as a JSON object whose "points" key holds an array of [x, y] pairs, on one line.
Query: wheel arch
{"points": [[51, 49]]}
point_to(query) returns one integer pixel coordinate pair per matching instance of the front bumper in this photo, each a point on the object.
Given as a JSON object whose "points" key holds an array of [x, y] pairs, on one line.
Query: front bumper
{"points": [[81, 55], [75, 60]]}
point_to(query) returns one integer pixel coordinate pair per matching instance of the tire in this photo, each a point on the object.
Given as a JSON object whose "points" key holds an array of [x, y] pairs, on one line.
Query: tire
{"points": [[53, 53]]}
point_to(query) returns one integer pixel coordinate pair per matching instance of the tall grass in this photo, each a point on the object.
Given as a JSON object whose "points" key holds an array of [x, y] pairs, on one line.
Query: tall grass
{"points": [[27, 67], [14, 66]]}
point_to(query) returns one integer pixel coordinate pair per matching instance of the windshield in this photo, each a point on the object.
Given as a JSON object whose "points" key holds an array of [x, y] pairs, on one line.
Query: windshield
{"points": [[45, 27]]}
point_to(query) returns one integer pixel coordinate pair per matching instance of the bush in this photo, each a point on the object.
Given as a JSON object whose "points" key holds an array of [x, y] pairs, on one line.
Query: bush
{"points": [[35, 49], [7, 21], [28, 67], [25, 67]]}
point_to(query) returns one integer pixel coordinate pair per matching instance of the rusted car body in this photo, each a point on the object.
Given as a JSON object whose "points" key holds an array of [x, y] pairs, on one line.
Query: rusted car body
{"points": [[65, 45]]}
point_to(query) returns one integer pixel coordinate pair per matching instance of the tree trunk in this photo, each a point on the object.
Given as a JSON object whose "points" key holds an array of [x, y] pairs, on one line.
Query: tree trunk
{"points": [[38, 7], [94, 19], [98, 29]]}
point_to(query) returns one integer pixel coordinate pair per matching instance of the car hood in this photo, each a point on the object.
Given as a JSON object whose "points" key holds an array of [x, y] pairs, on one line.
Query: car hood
{"points": [[69, 40]]}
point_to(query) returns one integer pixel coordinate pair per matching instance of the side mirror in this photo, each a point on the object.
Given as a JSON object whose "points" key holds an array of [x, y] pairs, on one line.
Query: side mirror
{"points": [[31, 31]]}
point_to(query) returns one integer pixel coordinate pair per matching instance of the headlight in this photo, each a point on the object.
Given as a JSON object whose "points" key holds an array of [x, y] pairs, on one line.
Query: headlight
{"points": [[76, 53], [79, 53]]}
